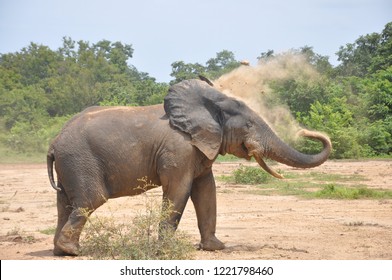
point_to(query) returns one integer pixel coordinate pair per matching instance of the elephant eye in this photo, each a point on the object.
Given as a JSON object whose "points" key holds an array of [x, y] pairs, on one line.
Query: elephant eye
{"points": [[249, 124], [244, 148]]}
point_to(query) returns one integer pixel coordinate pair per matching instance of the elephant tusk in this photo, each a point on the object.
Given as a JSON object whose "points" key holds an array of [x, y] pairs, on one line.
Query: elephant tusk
{"points": [[261, 162]]}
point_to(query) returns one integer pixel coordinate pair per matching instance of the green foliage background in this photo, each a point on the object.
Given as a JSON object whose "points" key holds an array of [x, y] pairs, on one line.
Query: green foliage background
{"points": [[41, 88]]}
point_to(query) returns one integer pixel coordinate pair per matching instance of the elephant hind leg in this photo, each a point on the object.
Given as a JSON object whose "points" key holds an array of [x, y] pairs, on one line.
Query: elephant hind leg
{"points": [[64, 210], [71, 219], [67, 242]]}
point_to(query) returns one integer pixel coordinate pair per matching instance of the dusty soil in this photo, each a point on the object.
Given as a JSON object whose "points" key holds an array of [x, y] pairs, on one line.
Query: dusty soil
{"points": [[252, 226]]}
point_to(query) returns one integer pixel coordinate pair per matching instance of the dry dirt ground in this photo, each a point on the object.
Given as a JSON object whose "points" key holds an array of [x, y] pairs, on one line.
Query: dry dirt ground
{"points": [[252, 226]]}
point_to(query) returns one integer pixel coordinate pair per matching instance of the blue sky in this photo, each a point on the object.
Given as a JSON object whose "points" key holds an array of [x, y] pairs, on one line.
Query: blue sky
{"points": [[162, 32]]}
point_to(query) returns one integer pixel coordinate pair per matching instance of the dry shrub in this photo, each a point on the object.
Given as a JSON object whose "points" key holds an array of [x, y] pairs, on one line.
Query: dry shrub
{"points": [[141, 238]]}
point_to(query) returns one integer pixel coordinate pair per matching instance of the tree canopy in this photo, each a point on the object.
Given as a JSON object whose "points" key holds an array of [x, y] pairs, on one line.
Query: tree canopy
{"points": [[41, 88]]}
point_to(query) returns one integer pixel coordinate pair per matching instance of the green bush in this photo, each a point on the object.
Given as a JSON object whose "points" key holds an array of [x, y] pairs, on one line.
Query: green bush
{"points": [[378, 137], [27, 137], [250, 175]]}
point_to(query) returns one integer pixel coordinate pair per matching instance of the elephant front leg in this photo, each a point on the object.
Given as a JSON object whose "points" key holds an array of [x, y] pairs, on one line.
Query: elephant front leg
{"points": [[175, 197], [203, 196]]}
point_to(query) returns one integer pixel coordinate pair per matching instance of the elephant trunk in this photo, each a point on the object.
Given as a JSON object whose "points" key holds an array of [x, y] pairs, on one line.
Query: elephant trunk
{"points": [[279, 151]]}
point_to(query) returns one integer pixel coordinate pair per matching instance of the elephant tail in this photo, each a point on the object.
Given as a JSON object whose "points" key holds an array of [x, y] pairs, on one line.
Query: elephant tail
{"points": [[49, 161]]}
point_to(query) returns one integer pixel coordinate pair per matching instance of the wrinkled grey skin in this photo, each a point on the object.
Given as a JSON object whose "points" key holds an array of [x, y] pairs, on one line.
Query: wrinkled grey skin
{"points": [[103, 151]]}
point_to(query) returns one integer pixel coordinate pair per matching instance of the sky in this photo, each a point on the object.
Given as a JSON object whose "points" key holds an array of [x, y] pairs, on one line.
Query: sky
{"points": [[162, 32]]}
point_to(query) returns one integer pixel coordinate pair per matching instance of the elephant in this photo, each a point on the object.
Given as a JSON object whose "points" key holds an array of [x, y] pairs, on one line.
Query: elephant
{"points": [[102, 152]]}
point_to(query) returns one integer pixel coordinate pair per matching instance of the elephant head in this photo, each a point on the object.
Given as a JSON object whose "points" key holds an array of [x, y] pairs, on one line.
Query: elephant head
{"points": [[218, 124]]}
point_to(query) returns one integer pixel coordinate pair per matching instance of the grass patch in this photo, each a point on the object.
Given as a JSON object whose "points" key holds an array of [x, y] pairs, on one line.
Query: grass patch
{"points": [[330, 177], [17, 235], [227, 158], [141, 238], [49, 231], [332, 191], [283, 188], [315, 190], [307, 185], [10, 156]]}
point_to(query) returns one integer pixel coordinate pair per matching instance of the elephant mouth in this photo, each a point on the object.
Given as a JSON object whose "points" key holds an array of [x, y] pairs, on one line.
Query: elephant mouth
{"points": [[263, 165], [256, 154]]}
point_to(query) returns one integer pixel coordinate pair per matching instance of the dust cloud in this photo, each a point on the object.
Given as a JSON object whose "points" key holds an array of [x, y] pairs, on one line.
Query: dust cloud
{"points": [[251, 84]]}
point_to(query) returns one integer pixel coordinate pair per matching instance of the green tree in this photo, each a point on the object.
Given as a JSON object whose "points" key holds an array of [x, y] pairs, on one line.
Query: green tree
{"points": [[38, 85], [378, 136], [356, 57], [319, 62], [382, 59], [23, 105], [335, 119], [300, 92], [368, 54], [184, 71], [378, 94], [31, 64], [265, 56], [223, 63]]}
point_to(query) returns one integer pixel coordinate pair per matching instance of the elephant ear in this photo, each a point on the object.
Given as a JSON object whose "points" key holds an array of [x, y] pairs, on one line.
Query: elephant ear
{"points": [[191, 108]]}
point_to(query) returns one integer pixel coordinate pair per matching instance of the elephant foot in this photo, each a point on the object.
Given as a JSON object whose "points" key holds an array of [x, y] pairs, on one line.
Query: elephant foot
{"points": [[65, 249], [211, 244]]}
